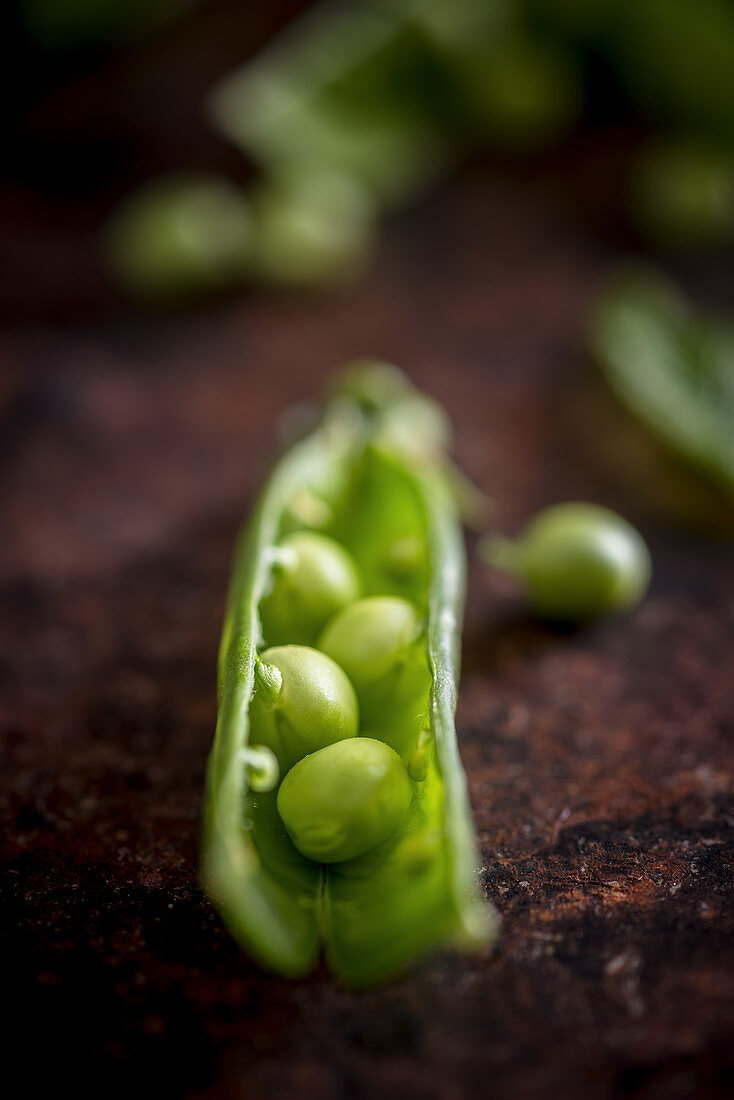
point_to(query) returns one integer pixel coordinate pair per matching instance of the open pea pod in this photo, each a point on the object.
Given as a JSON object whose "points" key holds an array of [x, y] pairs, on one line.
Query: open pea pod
{"points": [[389, 502]]}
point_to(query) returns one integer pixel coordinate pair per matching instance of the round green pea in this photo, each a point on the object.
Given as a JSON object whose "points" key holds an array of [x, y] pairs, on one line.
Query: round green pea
{"points": [[311, 227], [380, 643], [313, 578], [302, 701], [578, 561], [179, 235], [345, 799]]}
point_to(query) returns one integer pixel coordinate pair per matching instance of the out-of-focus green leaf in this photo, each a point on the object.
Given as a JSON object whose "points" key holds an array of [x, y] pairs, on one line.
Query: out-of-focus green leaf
{"points": [[673, 368]]}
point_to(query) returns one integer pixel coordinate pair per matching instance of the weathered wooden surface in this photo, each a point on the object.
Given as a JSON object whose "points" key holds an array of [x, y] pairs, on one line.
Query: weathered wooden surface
{"points": [[599, 762]]}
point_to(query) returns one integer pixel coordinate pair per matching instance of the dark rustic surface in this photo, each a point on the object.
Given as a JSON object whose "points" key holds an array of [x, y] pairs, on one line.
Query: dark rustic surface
{"points": [[599, 762]]}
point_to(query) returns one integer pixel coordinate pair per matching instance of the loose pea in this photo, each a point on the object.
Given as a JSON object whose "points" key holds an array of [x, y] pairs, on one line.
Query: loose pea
{"points": [[302, 701], [178, 236], [578, 561], [313, 578], [380, 644], [345, 799], [311, 227]]}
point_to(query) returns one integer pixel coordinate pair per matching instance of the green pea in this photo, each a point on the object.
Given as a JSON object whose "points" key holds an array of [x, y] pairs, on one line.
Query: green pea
{"points": [[380, 644], [313, 578], [179, 235], [345, 799], [578, 561], [311, 227], [302, 701]]}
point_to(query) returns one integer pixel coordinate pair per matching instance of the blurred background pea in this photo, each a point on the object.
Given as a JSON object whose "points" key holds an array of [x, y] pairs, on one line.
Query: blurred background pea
{"points": [[311, 226], [179, 237]]}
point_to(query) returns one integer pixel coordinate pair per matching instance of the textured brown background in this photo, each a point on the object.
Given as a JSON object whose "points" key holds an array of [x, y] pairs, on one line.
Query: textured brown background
{"points": [[599, 762]]}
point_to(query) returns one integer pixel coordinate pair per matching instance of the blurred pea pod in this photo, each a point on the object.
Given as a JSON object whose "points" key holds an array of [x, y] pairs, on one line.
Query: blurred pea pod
{"points": [[349, 87], [673, 368]]}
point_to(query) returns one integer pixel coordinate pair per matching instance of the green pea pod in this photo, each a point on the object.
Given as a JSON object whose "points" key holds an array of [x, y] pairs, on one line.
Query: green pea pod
{"points": [[372, 914], [672, 368], [348, 87]]}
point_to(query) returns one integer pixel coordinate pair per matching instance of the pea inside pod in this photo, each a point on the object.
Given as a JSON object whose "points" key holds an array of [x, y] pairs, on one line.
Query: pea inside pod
{"points": [[302, 702], [313, 578], [345, 799], [380, 643]]}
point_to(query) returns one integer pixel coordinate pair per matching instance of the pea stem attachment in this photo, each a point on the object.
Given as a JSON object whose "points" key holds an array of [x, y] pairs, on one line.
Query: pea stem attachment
{"points": [[261, 767], [420, 757], [268, 681], [281, 560]]}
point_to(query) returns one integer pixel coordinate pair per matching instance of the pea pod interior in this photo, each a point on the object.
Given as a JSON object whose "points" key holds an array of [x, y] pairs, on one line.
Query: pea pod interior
{"points": [[373, 914]]}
